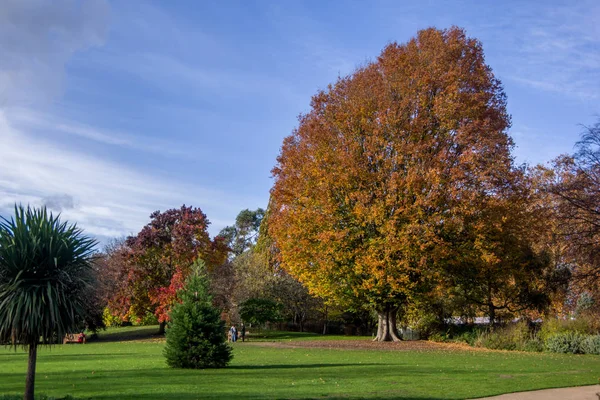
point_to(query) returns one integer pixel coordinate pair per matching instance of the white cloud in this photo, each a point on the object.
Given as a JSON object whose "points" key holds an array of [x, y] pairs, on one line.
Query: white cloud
{"points": [[182, 60], [38, 166], [37, 38], [105, 198], [30, 120]]}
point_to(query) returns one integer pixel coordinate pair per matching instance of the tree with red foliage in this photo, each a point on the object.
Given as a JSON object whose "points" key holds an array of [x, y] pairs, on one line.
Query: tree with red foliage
{"points": [[159, 260]]}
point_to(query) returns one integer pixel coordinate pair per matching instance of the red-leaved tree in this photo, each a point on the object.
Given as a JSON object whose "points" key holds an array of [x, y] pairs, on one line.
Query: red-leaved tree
{"points": [[159, 259]]}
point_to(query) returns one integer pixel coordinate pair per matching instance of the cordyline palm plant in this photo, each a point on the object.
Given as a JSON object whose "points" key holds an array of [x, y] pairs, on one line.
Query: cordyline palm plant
{"points": [[45, 271]]}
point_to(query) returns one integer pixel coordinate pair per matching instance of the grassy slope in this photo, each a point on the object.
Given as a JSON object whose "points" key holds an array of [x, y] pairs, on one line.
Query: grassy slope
{"points": [[136, 370]]}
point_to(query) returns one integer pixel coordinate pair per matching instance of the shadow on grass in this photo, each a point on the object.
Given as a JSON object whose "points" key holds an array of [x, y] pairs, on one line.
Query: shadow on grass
{"points": [[151, 332], [280, 335], [85, 356], [128, 334], [295, 366]]}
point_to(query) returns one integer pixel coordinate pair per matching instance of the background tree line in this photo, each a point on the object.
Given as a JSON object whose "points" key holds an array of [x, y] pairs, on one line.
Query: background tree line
{"points": [[531, 252], [396, 198]]}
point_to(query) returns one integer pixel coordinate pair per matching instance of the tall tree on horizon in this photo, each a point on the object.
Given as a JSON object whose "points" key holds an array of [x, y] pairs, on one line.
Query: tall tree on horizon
{"points": [[244, 234]]}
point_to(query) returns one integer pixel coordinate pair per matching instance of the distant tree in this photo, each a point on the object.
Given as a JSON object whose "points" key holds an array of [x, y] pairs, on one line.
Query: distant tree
{"points": [[576, 185], [196, 334], [297, 304], [371, 190], [253, 276], [501, 268], [95, 305], [260, 311], [243, 235], [114, 267], [222, 286], [585, 303], [45, 276]]}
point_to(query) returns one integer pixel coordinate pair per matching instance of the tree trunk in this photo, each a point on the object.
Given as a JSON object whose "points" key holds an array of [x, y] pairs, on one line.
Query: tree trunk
{"points": [[30, 382], [161, 328], [386, 325], [325, 323], [492, 312], [491, 308]]}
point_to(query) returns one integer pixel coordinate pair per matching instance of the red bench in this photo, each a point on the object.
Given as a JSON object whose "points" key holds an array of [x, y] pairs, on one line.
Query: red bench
{"points": [[74, 338]]}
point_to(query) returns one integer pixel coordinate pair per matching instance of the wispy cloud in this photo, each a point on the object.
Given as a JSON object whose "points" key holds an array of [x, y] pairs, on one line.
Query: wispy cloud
{"points": [[175, 75], [533, 146], [180, 59], [53, 156], [558, 49], [327, 57], [31, 120], [104, 198]]}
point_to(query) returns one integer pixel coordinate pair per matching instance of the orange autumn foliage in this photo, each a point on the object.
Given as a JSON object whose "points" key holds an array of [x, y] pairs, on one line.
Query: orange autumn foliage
{"points": [[375, 182]]}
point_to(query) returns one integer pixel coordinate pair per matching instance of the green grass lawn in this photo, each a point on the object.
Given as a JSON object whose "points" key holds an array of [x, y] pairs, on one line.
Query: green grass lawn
{"points": [[131, 369]]}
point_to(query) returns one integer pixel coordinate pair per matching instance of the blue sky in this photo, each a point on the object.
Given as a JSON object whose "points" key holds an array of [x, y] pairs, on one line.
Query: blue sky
{"points": [[111, 110]]}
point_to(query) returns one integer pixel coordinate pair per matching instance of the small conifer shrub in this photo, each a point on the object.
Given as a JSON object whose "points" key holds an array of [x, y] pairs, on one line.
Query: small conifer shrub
{"points": [[196, 334]]}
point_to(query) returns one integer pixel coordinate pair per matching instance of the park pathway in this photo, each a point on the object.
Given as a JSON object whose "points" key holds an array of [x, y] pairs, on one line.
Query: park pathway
{"points": [[573, 393]]}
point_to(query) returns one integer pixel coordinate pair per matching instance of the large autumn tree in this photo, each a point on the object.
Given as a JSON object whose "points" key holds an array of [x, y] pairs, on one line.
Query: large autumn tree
{"points": [[157, 261], [373, 186]]}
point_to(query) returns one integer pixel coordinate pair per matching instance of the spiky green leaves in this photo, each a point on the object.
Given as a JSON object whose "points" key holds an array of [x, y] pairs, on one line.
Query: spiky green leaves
{"points": [[45, 270]]}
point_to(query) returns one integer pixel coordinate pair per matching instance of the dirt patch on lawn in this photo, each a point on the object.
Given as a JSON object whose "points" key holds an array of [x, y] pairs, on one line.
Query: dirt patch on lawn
{"points": [[416, 345]]}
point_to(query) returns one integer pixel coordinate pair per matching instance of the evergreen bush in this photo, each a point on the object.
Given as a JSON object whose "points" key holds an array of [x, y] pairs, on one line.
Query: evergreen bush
{"points": [[591, 344], [565, 342], [535, 344], [196, 334]]}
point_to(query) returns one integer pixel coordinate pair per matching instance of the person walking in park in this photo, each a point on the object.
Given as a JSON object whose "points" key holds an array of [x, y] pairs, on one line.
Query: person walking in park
{"points": [[233, 332], [243, 333]]}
